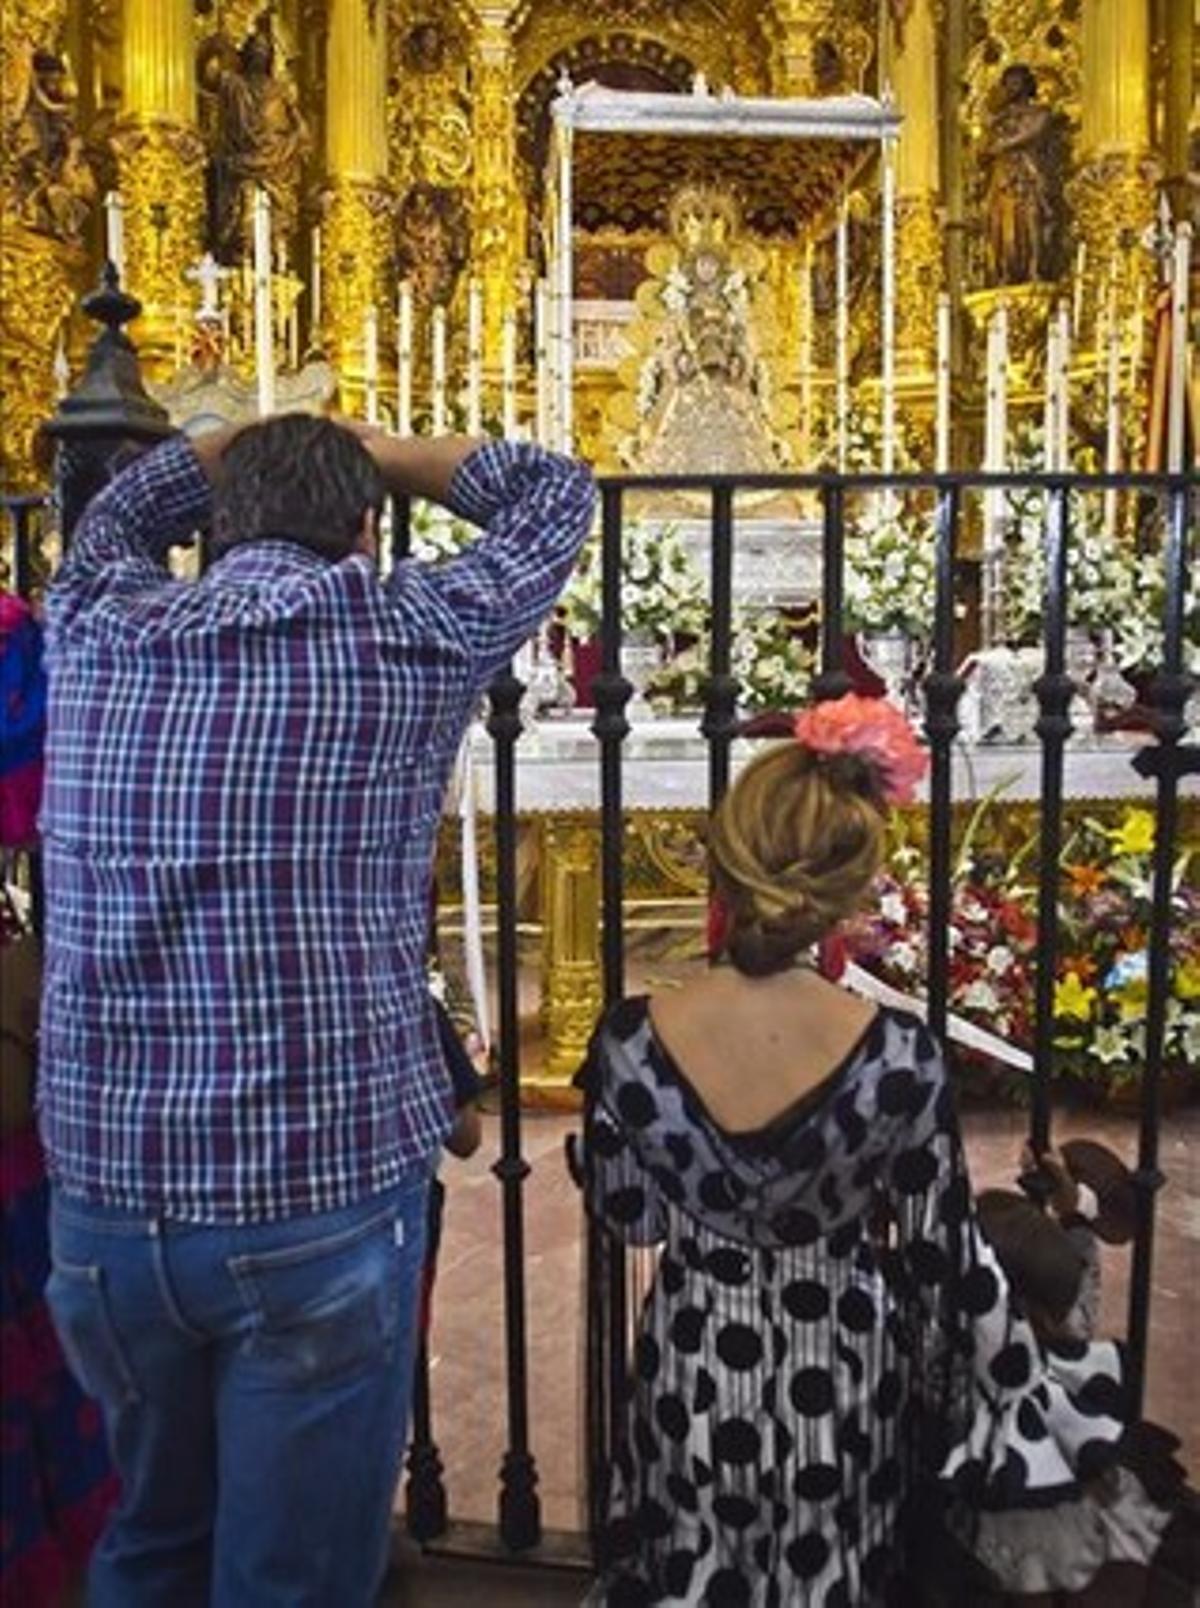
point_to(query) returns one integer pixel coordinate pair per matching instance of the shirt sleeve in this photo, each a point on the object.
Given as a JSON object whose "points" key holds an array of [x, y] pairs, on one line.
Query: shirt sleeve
{"points": [[125, 532], [536, 509], [1017, 1426]]}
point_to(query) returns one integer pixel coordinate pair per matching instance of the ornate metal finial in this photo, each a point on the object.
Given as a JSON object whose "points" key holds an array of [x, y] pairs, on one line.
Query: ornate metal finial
{"points": [[109, 410]]}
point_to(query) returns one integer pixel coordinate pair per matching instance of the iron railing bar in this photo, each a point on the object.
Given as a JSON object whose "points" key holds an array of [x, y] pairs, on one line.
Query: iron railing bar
{"points": [[607, 1349], [943, 689], [832, 681], [1054, 689], [720, 698], [910, 480], [519, 1507], [1168, 694]]}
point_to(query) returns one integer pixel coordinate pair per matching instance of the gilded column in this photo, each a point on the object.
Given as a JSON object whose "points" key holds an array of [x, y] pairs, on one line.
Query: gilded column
{"points": [[47, 192], [160, 156], [1113, 194], [498, 207], [357, 237], [572, 987], [914, 80], [794, 25]]}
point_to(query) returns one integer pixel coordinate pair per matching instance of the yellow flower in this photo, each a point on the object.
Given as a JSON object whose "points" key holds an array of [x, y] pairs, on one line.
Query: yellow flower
{"points": [[1131, 1000], [1073, 998], [1187, 979], [1135, 835]]}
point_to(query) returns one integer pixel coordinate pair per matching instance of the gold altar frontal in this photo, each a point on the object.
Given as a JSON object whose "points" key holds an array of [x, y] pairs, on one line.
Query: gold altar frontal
{"points": [[666, 887]]}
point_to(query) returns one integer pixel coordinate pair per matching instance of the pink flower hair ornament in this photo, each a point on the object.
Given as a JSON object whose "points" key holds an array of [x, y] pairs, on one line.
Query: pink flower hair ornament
{"points": [[874, 731]]}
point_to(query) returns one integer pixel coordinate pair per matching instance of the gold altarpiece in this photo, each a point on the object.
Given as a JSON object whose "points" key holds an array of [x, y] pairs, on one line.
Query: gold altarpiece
{"points": [[410, 141]]}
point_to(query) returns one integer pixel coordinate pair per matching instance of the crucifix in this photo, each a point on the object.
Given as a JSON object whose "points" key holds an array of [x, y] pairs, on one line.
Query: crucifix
{"points": [[208, 274]]}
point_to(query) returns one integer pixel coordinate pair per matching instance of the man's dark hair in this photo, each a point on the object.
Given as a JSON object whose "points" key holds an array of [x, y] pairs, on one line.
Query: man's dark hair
{"points": [[295, 478]]}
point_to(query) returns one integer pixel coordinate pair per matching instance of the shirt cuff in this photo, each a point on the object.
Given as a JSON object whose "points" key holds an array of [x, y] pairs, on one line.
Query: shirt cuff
{"points": [[480, 484]]}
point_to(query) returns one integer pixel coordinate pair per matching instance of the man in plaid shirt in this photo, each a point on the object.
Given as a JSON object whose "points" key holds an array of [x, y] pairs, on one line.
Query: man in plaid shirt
{"points": [[242, 1093]]}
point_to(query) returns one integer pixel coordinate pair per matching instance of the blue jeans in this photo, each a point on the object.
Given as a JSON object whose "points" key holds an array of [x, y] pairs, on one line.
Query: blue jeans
{"points": [[255, 1385]]}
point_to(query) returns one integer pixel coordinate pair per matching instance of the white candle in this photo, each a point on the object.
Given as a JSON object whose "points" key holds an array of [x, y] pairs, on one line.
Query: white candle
{"points": [[315, 307], [508, 371], [842, 364], [439, 371], [1177, 392], [404, 360], [264, 332], [1077, 297], [806, 353], [1062, 407], [1112, 445], [541, 314], [942, 425], [1050, 407], [474, 358], [114, 233], [888, 321], [371, 364], [995, 433], [566, 289]]}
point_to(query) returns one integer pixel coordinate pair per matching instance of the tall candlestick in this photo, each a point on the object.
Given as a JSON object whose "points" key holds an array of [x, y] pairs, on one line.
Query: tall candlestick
{"points": [[508, 370], [888, 320], [404, 360], [942, 424], [474, 358], [315, 309], [371, 364], [264, 332], [842, 363], [439, 371], [114, 233], [541, 311], [1177, 392]]}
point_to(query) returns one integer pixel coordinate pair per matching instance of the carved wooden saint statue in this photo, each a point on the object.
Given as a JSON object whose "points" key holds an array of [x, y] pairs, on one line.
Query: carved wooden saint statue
{"points": [[261, 138], [1019, 156], [53, 183], [433, 241]]}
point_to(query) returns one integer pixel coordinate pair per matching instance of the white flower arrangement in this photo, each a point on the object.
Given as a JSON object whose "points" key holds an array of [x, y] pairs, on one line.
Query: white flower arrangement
{"points": [[890, 575], [772, 665], [1111, 586], [662, 591]]}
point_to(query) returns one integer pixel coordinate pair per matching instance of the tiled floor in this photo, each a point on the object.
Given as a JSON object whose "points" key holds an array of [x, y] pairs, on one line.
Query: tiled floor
{"points": [[468, 1342]]}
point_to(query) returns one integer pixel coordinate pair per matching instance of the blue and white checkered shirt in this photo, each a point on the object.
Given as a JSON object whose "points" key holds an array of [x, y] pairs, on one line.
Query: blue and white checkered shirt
{"points": [[244, 783]]}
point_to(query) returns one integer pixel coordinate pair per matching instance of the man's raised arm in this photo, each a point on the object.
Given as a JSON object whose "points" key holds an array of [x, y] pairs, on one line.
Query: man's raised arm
{"points": [[535, 508], [126, 531]]}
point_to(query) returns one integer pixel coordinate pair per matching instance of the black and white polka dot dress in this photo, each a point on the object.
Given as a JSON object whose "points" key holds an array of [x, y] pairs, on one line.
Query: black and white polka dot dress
{"points": [[822, 1315]]}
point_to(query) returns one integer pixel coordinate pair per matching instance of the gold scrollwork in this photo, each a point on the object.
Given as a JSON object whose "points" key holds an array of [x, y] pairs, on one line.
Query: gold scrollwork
{"points": [[162, 179]]}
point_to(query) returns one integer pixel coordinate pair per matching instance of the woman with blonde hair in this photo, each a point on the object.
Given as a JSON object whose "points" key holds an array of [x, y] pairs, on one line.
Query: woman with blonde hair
{"points": [[826, 1332]]}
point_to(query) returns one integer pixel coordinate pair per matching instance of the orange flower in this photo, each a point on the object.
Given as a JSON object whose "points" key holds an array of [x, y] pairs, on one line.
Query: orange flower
{"points": [[1086, 879], [1083, 966], [1133, 939], [873, 729]]}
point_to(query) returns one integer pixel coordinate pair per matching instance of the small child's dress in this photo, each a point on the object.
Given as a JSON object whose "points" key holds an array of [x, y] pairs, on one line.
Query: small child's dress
{"points": [[1063, 1547]]}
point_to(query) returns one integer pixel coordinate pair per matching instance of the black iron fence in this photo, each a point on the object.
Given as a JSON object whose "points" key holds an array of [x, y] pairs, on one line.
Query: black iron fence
{"points": [[1167, 521]]}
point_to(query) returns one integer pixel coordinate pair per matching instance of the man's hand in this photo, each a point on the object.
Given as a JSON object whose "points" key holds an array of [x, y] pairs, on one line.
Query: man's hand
{"points": [[414, 466], [1063, 1197]]}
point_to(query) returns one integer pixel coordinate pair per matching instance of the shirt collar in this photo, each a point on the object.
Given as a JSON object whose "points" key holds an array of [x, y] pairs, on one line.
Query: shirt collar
{"points": [[266, 560]]}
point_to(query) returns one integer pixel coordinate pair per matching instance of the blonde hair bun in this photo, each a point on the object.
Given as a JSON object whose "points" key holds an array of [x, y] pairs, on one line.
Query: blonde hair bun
{"points": [[794, 848]]}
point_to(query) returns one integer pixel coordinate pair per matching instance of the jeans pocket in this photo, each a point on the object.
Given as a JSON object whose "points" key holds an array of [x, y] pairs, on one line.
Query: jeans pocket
{"points": [[325, 1308], [78, 1300]]}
